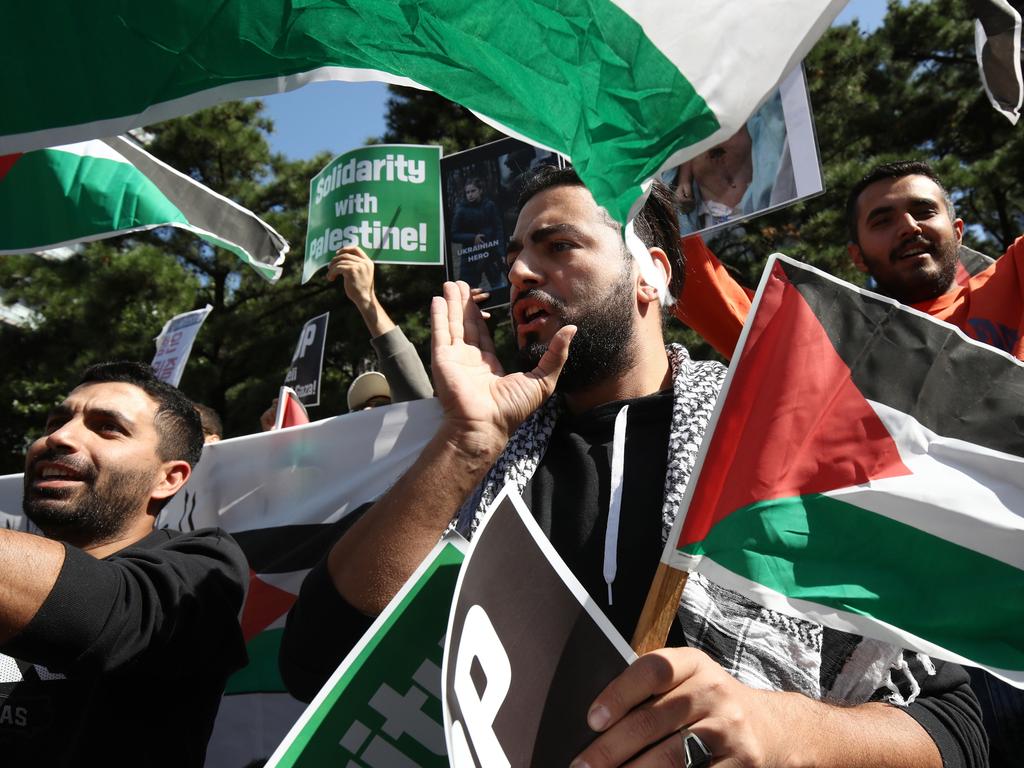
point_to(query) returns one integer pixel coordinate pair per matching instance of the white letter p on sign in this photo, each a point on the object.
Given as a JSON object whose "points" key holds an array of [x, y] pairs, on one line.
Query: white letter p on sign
{"points": [[480, 641]]}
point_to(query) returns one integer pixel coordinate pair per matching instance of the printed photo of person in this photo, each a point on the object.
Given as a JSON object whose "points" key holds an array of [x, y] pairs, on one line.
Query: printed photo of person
{"points": [[749, 172], [478, 231], [770, 162]]}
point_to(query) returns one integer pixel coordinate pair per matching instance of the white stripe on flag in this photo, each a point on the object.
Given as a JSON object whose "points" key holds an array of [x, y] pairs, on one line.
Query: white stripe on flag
{"points": [[710, 54], [94, 148], [962, 492]]}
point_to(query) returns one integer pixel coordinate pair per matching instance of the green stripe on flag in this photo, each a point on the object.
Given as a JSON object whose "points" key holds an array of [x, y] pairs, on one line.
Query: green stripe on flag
{"points": [[40, 205], [867, 564], [261, 674], [578, 76]]}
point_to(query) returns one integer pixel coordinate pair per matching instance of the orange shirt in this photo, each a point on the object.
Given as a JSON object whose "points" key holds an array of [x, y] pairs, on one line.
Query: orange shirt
{"points": [[988, 307]]}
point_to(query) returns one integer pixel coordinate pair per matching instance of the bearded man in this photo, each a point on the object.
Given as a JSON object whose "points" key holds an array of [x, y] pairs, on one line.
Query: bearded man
{"points": [[600, 385], [116, 638], [903, 232]]}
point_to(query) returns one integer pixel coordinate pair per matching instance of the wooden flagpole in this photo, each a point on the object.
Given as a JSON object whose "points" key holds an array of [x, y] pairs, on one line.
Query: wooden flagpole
{"points": [[659, 609]]}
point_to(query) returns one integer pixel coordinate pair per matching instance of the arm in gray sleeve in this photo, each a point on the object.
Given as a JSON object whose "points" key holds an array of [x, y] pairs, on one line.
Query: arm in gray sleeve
{"points": [[402, 367]]}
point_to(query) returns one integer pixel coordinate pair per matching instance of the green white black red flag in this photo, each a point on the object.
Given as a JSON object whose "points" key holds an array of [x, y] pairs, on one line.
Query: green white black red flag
{"points": [[106, 187], [865, 469]]}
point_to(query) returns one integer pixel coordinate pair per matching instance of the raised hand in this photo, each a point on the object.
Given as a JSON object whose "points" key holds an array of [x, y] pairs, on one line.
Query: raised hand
{"points": [[356, 269], [478, 397]]}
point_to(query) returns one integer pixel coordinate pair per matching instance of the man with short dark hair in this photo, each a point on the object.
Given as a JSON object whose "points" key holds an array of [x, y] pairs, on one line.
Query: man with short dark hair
{"points": [[116, 638], [903, 232], [620, 392]]}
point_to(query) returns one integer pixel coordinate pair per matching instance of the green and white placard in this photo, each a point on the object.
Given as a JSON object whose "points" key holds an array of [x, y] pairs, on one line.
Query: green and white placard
{"points": [[385, 198], [382, 705]]}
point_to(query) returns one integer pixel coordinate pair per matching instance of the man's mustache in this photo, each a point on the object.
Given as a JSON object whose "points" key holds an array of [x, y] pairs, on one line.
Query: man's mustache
{"points": [[77, 466], [552, 304], [899, 250]]}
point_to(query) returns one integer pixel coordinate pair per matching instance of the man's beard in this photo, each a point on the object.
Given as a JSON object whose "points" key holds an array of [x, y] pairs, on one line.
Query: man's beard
{"points": [[929, 285], [95, 511], [603, 345]]}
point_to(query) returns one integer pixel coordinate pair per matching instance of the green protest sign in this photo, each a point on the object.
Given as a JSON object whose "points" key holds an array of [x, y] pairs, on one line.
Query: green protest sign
{"points": [[385, 198], [382, 706]]}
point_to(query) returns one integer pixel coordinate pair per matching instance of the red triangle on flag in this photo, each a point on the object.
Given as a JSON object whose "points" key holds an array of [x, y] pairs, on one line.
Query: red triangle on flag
{"points": [[793, 422], [7, 162], [264, 604]]}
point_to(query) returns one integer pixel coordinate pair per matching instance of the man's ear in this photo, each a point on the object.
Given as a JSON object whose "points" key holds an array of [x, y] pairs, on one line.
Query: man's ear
{"points": [[856, 257], [646, 293], [958, 228], [172, 475]]}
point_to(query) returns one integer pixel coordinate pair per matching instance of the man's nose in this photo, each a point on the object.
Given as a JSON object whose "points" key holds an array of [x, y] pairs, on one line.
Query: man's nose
{"points": [[524, 272], [64, 438], [909, 225]]}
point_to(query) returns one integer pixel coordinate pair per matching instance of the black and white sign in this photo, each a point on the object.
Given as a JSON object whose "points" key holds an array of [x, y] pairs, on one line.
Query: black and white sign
{"points": [[308, 361], [527, 650]]}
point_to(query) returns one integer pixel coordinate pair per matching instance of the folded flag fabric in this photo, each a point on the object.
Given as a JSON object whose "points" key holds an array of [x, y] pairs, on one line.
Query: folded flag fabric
{"points": [[624, 88], [865, 469], [997, 42], [106, 187]]}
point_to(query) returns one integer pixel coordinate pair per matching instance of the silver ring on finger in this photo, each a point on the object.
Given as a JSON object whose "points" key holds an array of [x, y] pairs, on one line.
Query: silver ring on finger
{"points": [[695, 751]]}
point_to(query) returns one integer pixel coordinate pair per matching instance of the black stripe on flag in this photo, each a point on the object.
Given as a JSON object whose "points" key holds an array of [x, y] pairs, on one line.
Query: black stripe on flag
{"points": [[287, 548], [206, 209], [920, 366]]}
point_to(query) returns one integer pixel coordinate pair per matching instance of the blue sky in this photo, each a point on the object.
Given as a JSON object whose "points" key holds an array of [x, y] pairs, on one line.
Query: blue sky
{"points": [[339, 116]]}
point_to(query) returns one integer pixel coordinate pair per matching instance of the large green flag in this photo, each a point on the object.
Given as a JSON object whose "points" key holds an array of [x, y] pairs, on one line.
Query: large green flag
{"points": [[623, 88]]}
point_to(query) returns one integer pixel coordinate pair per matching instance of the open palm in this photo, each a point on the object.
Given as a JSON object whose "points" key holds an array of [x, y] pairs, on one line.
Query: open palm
{"points": [[474, 391]]}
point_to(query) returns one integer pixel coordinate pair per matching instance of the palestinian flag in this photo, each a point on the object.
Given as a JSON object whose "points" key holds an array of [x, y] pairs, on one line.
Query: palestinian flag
{"points": [[865, 469], [106, 187], [624, 88], [257, 710], [285, 495], [290, 410]]}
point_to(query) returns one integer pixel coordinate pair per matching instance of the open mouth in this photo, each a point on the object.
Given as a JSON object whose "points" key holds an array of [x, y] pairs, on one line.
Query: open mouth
{"points": [[913, 250], [530, 316], [53, 475]]}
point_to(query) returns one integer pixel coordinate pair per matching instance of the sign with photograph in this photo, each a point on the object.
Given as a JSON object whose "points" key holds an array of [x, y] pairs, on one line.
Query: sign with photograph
{"points": [[308, 361], [527, 652], [385, 198], [771, 162], [480, 188]]}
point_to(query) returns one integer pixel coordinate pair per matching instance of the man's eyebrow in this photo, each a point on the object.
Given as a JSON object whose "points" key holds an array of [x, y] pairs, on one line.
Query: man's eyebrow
{"points": [[879, 211], [916, 202], [110, 413], [59, 410], [546, 233]]}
